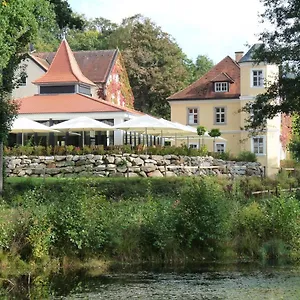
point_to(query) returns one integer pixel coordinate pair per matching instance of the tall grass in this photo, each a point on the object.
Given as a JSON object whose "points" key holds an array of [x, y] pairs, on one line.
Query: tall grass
{"points": [[191, 219]]}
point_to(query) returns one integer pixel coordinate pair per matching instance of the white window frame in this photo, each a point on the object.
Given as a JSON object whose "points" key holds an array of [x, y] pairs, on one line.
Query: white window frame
{"points": [[219, 144], [218, 114], [262, 144], [192, 115], [260, 78], [221, 87]]}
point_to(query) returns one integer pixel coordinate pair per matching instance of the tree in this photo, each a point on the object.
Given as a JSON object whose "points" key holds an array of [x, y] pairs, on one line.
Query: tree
{"points": [[200, 131], [214, 133], [280, 46], [64, 15], [154, 62], [202, 65], [19, 22]]}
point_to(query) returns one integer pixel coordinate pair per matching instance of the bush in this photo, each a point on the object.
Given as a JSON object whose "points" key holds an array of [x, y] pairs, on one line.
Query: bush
{"points": [[203, 216], [247, 156]]}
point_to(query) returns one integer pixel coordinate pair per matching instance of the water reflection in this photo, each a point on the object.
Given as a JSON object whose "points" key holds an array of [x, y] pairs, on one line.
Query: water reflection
{"points": [[191, 282]]}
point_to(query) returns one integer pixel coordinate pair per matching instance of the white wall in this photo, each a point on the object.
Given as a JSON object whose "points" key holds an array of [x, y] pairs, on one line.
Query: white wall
{"points": [[33, 72]]}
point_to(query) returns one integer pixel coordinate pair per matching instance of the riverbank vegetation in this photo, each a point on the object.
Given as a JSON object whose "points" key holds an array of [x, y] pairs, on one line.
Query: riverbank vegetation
{"points": [[173, 220]]}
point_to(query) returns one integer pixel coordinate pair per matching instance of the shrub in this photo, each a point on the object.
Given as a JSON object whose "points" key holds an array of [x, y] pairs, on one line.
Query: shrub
{"points": [[249, 229], [246, 156], [203, 215]]}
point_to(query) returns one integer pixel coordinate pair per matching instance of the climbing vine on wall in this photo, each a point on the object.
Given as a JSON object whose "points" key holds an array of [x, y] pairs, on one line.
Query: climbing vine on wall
{"points": [[118, 89], [286, 130]]}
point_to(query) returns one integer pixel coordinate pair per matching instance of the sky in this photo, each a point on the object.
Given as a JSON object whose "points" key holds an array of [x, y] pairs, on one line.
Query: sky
{"points": [[215, 28]]}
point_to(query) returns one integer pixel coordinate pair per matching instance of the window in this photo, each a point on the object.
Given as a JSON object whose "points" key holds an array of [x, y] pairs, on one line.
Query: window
{"points": [[23, 80], [192, 116], [84, 89], [221, 87], [258, 145], [193, 146], [220, 147], [257, 78], [220, 115], [63, 89]]}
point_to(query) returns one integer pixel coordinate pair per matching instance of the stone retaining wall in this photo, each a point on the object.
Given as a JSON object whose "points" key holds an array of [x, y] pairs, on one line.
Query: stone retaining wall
{"points": [[126, 165]]}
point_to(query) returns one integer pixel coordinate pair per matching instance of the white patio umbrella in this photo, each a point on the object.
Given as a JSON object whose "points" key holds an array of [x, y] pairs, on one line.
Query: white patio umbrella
{"points": [[148, 125], [24, 125], [189, 132], [82, 124]]}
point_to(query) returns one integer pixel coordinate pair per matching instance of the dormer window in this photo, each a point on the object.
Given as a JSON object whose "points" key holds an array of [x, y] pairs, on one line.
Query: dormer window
{"points": [[221, 87], [83, 89]]}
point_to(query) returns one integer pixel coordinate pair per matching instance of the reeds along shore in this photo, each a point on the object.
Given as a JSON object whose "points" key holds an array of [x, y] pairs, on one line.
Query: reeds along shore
{"points": [[166, 219]]}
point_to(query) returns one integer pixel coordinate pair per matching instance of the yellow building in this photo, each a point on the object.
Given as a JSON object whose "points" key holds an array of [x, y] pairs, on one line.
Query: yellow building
{"points": [[214, 101]]}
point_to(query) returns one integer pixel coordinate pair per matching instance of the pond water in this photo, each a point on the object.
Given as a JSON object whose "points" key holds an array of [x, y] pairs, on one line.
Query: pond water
{"points": [[202, 282]]}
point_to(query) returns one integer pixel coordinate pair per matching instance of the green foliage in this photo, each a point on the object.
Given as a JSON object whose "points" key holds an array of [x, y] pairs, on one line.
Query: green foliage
{"points": [[246, 156], [202, 65], [215, 132], [203, 215], [65, 18], [269, 229], [294, 147], [201, 130], [99, 149], [280, 47], [154, 62], [139, 219]]}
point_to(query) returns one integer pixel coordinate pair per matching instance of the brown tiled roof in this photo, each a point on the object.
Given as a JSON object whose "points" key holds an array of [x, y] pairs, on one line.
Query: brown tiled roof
{"points": [[67, 103], [222, 77], [203, 88], [41, 62], [64, 68], [95, 65]]}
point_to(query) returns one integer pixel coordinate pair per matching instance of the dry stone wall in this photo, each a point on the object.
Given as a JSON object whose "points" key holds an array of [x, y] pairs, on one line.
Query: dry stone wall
{"points": [[126, 165]]}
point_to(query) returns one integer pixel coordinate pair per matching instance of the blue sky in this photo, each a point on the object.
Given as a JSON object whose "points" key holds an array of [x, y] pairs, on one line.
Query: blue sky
{"points": [[213, 27]]}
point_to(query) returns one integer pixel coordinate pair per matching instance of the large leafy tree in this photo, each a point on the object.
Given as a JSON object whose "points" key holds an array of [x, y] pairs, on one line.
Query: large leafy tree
{"points": [[19, 23], [64, 15], [280, 46], [202, 65], [154, 62]]}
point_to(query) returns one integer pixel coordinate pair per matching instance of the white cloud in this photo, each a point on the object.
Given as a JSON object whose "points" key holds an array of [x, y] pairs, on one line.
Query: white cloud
{"points": [[214, 27]]}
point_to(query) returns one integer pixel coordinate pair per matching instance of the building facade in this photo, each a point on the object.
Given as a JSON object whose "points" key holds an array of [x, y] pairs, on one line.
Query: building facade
{"points": [[216, 100], [64, 85]]}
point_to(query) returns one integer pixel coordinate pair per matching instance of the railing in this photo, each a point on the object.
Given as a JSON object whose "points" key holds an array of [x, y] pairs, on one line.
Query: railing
{"points": [[275, 191]]}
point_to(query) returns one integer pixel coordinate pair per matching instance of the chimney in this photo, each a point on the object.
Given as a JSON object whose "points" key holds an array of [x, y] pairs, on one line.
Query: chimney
{"points": [[238, 55]]}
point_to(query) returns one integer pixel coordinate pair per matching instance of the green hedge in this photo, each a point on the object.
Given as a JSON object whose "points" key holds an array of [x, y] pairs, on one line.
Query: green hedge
{"points": [[111, 188]]}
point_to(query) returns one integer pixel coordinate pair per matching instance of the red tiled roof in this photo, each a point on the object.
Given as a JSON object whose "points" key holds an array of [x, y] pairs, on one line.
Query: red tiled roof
{"points": [[95, 65], [203, 88], [40, 62], [222, 77], [64, 68], [67, 103]]}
